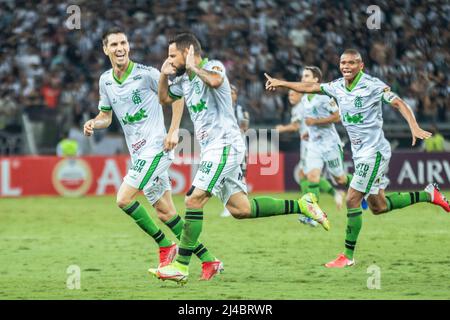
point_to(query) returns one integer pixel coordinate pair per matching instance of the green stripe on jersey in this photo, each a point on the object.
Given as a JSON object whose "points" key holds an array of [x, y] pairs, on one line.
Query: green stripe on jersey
{"points": [[173, 95], [374, 172], [105, 108], [151, 170], [223, 162]]}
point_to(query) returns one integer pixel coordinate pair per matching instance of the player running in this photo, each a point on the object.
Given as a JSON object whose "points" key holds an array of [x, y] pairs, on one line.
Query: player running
{"points": [[320, 113], [300, 103], [359, 97], [131, 91], [207, 93], [243, 120]]}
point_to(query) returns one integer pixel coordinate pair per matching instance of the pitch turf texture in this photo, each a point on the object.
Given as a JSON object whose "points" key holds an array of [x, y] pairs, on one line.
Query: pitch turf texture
{"points": [[269, 258]]}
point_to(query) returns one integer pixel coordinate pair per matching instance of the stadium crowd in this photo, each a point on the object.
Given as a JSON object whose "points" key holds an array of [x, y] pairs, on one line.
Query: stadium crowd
{"points": [[51, 72]]}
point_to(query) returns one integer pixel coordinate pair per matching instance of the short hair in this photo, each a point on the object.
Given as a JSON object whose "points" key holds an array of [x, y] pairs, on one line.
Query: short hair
{"points": [[353, 52], [113, 30], [317, 73], [184, 40]]}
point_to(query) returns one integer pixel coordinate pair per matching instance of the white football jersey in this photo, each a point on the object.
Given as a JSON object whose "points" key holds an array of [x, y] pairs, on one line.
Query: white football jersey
{"points": [[134, 100], [321, 106], [297, 114], [360, 108], [210, 109]]}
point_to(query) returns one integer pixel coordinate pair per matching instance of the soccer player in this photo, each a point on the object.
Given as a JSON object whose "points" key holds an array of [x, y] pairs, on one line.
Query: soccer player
{"points": [[320, 113], [207, 93], [131, 91], [359, 97], [300, 104], [243, 120]]}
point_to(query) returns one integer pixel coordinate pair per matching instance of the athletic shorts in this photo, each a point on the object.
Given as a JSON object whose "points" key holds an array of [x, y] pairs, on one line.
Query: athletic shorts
{"points": [[332, 157], [150, 174], [220, 172], [370, 174]]}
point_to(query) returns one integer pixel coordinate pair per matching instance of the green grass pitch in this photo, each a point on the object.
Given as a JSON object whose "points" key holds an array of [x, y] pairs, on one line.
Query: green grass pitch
{"points": [[269, 258]]}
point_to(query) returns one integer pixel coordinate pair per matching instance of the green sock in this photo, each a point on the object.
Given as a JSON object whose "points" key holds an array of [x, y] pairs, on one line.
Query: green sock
{"points": [[326, 186], [313, 187], [304, 185], [398, 200], [267, 206], [349, 179], [176, 225], [354, 223], [189, 237], [143, 220]]}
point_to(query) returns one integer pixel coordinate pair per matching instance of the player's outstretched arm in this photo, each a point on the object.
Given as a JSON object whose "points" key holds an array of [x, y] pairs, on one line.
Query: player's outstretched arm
{"points": [[163, 84], [305, 87], [408, 114], [172, 138], [101, 121], [211, 79]]}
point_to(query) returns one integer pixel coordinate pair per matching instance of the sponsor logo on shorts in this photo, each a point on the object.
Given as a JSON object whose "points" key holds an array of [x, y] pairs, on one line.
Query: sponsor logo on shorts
{"points": [[138, 145]]}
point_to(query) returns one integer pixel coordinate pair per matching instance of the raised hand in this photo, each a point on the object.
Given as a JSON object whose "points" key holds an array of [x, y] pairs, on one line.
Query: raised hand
{"points": [[190, 60], [272, 83], [418, 132], [167, 68]]}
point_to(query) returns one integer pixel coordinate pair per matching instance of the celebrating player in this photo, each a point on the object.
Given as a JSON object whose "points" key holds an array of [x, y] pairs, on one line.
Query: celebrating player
{"points": [[207, 93], [359, 97], [320, 113], [131, 91], [298, 123]]}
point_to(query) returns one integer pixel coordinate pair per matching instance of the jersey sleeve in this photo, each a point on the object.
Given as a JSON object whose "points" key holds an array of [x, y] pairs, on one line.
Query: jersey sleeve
{"points": [[216, 67], [103, 104], [329, 88], [383, 91], [152, 78], [332, 106], [175, 89]]}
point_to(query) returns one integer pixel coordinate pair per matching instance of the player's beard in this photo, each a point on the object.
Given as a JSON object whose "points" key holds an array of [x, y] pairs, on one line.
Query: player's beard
{"points": [[180, 71]]}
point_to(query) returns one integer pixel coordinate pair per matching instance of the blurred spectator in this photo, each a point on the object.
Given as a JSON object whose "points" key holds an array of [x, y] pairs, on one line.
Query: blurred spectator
{"points": [[436, 143]]}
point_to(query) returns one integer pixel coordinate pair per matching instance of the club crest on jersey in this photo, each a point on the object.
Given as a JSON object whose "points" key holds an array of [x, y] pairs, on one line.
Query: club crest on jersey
{"points": [[138, 116], [197, 89], [136, 97], [358, 102], [198, 107]]}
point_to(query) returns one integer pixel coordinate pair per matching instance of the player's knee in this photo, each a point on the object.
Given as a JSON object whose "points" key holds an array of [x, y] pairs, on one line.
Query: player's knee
{"points": [[240, 213], [193, 202], [123, 202], [342, 180], [352, 201], [377, 209]]}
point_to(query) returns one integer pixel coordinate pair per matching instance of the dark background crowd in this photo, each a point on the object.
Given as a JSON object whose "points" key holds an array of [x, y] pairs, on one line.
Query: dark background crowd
{"points": [[50, 72]]}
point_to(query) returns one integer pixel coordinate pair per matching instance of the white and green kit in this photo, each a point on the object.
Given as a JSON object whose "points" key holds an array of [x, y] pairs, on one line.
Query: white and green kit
{"points": [[360, 108], [216, 129], [134, 100], [324, 141]]}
